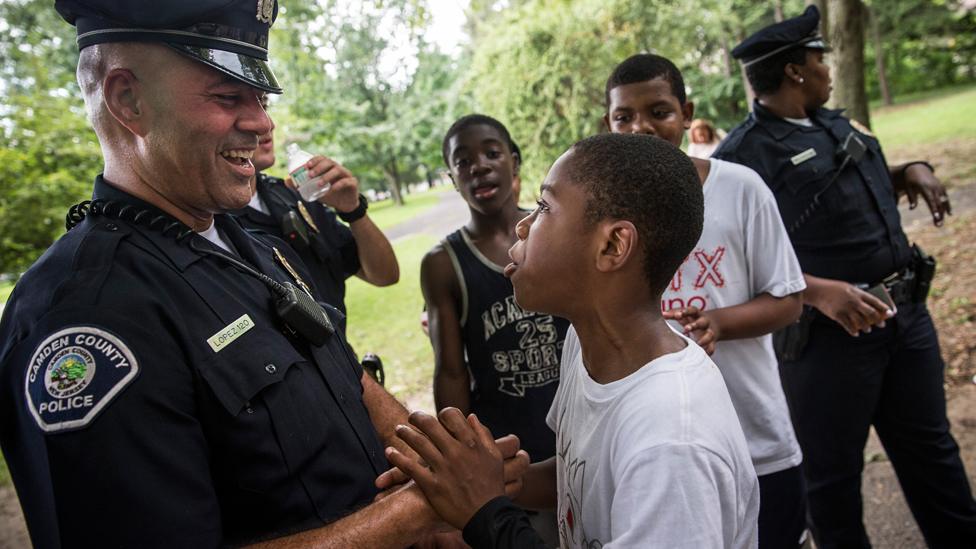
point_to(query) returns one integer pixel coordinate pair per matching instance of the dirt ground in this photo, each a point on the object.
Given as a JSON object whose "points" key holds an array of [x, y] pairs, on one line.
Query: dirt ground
{"points": [[953, 305]]}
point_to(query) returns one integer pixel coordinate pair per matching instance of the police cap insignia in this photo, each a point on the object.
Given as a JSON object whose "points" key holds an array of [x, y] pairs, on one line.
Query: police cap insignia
{"points": [[223, 34], [796, 32], [74, 374]]}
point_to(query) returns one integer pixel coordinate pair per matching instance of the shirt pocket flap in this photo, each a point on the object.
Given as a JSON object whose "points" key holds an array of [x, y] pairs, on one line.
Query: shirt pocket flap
{"points": [[809, 177], [238, 372]]}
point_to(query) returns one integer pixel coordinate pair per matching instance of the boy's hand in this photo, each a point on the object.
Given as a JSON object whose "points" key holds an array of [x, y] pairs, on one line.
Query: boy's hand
{"points": [[697, 325], [462, 469], [343, 195], [516, 462]]}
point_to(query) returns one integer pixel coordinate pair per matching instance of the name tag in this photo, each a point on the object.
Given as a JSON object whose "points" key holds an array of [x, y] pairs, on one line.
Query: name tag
{"points": [[231, 332], [803, 156]]}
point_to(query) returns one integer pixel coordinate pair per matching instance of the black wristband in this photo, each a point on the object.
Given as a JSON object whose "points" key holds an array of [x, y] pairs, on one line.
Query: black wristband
{"points": [[356, 214]]}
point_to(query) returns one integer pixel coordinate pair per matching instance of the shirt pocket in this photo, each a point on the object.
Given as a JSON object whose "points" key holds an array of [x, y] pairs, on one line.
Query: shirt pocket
{"points": [[261, 425]]}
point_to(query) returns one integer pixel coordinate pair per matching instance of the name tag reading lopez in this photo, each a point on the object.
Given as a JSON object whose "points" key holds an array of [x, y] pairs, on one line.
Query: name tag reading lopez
{"points": [[231, 332], [803, 156]]}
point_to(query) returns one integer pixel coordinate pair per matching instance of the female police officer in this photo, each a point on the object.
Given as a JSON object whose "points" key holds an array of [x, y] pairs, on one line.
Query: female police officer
{"points": [[854, 361]]}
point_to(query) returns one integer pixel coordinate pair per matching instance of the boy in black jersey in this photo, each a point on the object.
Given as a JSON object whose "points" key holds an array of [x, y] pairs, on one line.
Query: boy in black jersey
{"points": [[491, 357]]}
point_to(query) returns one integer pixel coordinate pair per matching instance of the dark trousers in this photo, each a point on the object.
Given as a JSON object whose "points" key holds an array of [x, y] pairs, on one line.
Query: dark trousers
{"points": [[891, 378], [782, 509]]}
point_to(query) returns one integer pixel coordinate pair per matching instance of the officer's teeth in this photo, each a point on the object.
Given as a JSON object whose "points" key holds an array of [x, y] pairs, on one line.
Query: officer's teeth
{"points": [[238, 154]]}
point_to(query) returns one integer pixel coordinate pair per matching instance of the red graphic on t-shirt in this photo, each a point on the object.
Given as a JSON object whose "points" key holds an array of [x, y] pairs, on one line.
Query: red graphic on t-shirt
{"points": [[709, 267], [569, 518], [676, 279]]}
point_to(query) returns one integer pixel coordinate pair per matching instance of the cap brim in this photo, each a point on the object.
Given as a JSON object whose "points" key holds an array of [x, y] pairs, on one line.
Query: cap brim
{"points": [[247, 69], [817, 44]]}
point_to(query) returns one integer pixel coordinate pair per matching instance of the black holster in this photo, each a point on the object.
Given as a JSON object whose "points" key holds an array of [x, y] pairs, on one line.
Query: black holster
{"points": [[924, 267], [790, 341]]}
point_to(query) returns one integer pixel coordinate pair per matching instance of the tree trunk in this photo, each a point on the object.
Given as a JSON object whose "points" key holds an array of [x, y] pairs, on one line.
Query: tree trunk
{"points": [[822, 5], [879, 60], [846, 24], [393, 181], [750, 95], [778, 11]]}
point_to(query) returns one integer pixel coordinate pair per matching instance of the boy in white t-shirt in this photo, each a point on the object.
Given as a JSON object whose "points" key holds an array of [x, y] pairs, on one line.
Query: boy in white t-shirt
{"points": [[741, 282], [649, 450]]}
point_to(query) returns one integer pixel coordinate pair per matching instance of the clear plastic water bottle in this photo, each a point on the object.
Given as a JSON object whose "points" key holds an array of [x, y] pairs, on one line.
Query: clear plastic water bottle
{"points": [[307, 187]]}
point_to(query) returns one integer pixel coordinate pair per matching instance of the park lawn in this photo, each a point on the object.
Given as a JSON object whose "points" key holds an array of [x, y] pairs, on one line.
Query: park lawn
{"points": [[928, 121], [386, 321], [386, 214], [6, 287]]}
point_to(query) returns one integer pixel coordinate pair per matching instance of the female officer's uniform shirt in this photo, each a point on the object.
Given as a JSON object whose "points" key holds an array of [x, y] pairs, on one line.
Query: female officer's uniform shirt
{"points": [[855, 233], [150, 398]]}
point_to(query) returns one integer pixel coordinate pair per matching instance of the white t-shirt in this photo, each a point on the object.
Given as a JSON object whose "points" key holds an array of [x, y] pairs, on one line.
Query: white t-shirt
{"points": [[743, 252], [656, 459]]}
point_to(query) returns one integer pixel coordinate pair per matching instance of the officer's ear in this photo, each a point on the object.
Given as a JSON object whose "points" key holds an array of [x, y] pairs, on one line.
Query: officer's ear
{"points": [[792, 72], [123, 96]]}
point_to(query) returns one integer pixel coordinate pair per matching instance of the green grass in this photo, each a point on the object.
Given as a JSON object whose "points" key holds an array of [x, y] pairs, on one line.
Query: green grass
{"points": [[4, 473], [5, 288], [386, 321], [386, 214], [938, 117]]}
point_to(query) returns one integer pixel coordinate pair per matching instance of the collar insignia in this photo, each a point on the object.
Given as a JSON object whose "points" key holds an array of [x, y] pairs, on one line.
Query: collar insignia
{"points": [[307, 216], [283, 261]]}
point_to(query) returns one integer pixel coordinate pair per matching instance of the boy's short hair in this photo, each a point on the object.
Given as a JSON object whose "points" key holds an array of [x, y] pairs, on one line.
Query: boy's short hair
{"points": [[474, 120], [643, 67], [652, 184], [767, 75]]}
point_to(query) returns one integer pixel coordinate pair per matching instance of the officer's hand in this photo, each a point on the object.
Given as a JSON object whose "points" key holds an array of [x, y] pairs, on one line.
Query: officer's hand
{"points": [[919, 179], [343, 194], [697, 325], [465, 467], [854, 309]]}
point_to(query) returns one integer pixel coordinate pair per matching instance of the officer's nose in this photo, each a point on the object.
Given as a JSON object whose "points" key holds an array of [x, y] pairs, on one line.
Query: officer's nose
{"points": [[254, 119]]}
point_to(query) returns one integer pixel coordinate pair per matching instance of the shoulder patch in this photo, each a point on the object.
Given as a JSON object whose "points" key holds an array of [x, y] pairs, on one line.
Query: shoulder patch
{"points": [[74, 374]]}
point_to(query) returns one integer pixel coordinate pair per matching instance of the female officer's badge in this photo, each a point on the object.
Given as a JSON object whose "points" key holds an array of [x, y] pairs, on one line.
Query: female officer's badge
{"points": [[73, 374]]}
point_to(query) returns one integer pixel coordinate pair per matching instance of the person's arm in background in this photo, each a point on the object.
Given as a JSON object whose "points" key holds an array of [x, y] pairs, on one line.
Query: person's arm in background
{"points": [[757, 317], [442, 292], [917, 178], [378, 263]]}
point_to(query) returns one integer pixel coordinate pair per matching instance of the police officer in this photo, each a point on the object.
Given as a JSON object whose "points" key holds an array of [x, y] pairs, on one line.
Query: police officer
{"points": [[165, 382], [331, 250], [855, 360]]}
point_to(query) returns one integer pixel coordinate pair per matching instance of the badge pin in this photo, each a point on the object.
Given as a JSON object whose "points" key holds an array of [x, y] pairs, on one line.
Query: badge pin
{"points": [[283, 261], [307, 216], [265, 10], [803, 156]]}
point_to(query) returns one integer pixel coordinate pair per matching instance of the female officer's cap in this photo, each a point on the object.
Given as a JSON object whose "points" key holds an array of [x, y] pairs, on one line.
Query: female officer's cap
{"points": [[797, 32], [228, 35]]}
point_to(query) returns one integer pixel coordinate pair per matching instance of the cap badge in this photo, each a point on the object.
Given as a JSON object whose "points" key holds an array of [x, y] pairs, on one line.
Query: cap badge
{"points": [[265, 10]]}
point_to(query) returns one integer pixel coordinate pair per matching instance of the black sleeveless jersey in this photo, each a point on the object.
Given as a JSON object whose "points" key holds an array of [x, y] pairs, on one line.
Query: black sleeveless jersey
{"points": [[512, 354], [330, 253]]}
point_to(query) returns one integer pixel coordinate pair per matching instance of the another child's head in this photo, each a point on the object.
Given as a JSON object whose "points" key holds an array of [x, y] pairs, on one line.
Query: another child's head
{"points": [[702, 131], [611, 204], [646, 94], [482, 159]]}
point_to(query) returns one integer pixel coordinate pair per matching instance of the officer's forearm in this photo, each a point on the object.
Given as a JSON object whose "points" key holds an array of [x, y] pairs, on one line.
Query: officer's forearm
{"points": [[377, 260], [385, 413], [398, 520]]}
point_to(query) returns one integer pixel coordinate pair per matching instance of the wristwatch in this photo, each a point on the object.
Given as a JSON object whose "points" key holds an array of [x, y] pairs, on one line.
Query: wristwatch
{"points": [[356, 214]]}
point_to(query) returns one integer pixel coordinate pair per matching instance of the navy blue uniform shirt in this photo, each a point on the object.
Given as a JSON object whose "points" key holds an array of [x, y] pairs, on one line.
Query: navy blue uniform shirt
{"points": [[331, 257], [149, 398], [855, 233]]}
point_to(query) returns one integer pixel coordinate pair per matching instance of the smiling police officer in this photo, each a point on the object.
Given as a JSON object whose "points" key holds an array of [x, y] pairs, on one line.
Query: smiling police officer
{"points": [[854, 360], [164, 382]]}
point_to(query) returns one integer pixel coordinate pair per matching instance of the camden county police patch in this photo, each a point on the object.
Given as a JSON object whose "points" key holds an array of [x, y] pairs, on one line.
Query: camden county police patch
{"points": [[73, 374]]}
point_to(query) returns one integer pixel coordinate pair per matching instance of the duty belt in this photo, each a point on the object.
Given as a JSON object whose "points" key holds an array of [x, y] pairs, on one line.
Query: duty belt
{"points": [[901, 285]]}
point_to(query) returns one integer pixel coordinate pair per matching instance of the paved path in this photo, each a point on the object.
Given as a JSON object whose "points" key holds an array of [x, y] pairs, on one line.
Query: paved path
{"points": [[447, 215]]}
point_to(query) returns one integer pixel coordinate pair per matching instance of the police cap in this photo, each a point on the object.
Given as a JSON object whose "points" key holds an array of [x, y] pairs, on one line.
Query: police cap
{"points": [[228, 35], [797, 32]]}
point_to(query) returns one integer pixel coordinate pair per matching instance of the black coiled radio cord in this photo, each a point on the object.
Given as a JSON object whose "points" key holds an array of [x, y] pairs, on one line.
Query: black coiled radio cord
{"points": [[299, 311]]}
